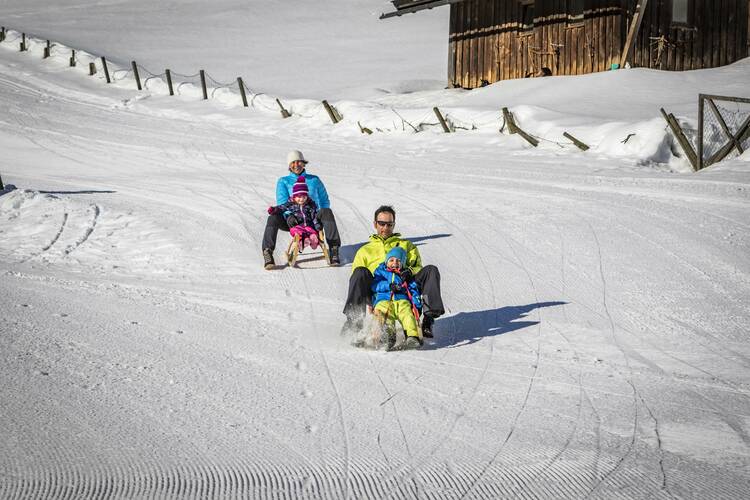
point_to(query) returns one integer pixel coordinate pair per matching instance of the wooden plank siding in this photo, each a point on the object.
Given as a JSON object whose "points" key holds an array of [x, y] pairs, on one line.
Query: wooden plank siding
{"points": [[488, 41], [712, 37]]}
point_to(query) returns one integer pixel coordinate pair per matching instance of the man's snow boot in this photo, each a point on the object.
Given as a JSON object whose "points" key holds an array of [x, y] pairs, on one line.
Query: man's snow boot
{"points": [[427, 326], [334, 253], [268, 262], [353, 323], [411, 343]]}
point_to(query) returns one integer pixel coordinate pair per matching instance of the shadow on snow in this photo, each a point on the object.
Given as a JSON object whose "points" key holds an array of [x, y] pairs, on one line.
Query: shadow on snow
{"points": [[76, 192], [468, 327]]}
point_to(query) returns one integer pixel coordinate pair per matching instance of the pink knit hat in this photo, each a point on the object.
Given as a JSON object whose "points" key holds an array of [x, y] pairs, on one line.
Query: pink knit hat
{"points": [[300, 187]]}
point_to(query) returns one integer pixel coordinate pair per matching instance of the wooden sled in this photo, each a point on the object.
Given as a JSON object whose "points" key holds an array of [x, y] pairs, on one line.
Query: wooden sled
{"points": [[293, 250], [385, 335]]}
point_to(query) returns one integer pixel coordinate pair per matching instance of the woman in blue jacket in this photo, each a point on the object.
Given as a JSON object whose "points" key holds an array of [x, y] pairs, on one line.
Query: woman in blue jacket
{"points": [[317, 192]]}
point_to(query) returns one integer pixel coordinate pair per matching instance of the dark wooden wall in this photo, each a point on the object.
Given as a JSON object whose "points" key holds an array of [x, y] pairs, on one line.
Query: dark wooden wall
{"points": [[715, 35], [488, 42]]}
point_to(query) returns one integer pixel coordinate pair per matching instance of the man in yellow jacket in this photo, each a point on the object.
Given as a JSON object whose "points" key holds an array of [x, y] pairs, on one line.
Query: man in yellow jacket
{"points": [[371, 255]]}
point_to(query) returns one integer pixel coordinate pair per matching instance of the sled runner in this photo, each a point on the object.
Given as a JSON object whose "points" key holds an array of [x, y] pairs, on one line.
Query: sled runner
{"points": [[297, 246]]}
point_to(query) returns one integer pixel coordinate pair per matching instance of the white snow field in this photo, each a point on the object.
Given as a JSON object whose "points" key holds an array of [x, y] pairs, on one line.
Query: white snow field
{"points": [[596, 338]]}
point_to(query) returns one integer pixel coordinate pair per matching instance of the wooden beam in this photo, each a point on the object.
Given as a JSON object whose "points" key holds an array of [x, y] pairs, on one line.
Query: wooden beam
{"points": [[442, 120], [680, 136], [284, 112], [513, 128], [136, 75], [509, 121], [241, 85], [635, 25], [203, 84], [579, 144], [169, 81], [329, 110]]}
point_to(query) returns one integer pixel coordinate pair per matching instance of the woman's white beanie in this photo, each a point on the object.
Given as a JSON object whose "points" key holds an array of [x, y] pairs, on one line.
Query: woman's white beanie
{"points": [[295, 156]]}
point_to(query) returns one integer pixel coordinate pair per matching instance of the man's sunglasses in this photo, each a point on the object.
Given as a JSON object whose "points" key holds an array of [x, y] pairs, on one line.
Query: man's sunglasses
{"points": [[384, 223]]}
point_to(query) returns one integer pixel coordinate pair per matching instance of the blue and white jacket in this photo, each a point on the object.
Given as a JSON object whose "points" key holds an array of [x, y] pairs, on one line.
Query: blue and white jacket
{"points": [[382, 279], [316, 189]]}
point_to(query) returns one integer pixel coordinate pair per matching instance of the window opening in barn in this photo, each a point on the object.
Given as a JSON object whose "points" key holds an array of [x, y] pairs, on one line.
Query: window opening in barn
{"points": [[680, 11], [527, 15], [574, 9]]}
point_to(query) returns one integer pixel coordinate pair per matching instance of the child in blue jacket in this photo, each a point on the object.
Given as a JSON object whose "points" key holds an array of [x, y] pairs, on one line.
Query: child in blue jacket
{"points": [[390, 298]]}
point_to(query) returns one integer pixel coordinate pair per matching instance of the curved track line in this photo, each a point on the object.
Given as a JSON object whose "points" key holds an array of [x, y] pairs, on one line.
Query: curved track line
{"points": [[89, 229], [342, 417], [443, 440]]}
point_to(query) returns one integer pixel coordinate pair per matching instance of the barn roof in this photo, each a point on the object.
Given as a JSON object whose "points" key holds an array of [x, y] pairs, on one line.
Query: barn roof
{"points": [[409, 6]]}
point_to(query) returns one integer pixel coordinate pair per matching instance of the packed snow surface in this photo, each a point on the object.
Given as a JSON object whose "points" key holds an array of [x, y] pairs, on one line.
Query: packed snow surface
{"points": [[595, 342]]}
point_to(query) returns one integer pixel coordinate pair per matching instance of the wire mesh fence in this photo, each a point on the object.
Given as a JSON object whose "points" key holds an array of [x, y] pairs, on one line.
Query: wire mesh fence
{"points": [[723, 129]]}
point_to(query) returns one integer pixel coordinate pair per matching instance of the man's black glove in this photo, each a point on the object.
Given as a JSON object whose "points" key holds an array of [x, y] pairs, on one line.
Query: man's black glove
{"points": [[395, 288], [291, 221], [406, 274]]}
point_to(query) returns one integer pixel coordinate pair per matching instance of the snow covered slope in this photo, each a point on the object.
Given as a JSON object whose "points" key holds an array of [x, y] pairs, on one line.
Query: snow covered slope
{"points": [[301, 48], [596, 338]]}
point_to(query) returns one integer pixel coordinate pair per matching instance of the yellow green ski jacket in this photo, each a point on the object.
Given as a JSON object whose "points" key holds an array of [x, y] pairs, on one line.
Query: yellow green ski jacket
{"points": [[372, 253]]}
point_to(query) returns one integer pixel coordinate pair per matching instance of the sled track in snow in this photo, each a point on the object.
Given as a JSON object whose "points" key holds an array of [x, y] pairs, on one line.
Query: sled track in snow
{"points": [[57, 235], [204, 479], [95, 212]]}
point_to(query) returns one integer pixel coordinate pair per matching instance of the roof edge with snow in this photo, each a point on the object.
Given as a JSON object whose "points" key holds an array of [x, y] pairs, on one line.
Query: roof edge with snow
{"points": [[411, 6]]}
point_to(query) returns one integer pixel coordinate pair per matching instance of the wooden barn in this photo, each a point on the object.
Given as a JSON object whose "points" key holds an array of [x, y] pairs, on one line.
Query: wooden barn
{"points": [[492, 40]]}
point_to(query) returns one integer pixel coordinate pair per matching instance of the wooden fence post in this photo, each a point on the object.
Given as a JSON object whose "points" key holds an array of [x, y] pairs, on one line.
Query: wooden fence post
{"points": [[2, 34], [336, 112], [136, 75], [47, 50], [169, 81], [23, 42], [203, 85], [579, 144], [513, 128], [106, 69], [330, 112], [441, 120], [92, 69], [284, 112], [680, 136], [72, 58], [242, 90], [1, 183], [509, 121]]}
